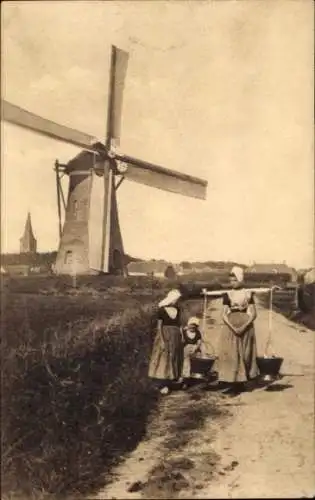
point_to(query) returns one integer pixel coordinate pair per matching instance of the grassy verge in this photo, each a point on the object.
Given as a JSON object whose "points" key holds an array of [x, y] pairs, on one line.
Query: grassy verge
{"points": [[75, 395], [301, 311], [75, 391]]}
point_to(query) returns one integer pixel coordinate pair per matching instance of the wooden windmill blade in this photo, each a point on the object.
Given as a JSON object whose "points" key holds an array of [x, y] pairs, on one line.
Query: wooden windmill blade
{"points": [[141, 171], [31, 121], [118, 70], [163, 178], [103, 209]]}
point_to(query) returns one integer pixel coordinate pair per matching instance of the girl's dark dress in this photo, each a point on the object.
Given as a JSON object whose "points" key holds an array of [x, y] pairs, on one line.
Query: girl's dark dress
{"points": [[167, 358]]}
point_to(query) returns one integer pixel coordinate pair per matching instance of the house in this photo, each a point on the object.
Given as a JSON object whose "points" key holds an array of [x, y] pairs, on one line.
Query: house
{"points": [[18, 269], [197, 269], [41, 269], [159, 269], [3, 270], [273, 269], [179, 271], [216, 268], [35, 269], [309, 276]]}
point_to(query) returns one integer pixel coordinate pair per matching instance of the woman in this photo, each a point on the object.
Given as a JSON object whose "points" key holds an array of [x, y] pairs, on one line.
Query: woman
{"points": [[238, 350], [166, 359]]}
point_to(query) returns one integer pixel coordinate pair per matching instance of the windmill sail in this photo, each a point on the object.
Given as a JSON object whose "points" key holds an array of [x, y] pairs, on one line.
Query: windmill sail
{"points": [[164, 178], [96, 222], [100, 232], [31, 121], [119, 63], [99, 221]]}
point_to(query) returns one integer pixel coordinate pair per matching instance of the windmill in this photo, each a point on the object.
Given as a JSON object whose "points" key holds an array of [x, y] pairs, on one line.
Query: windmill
{"points": [[90, 237]]}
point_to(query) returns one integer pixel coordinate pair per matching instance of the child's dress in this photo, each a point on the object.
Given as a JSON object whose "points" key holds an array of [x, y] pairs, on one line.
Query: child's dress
{"points": [[192, 343]]}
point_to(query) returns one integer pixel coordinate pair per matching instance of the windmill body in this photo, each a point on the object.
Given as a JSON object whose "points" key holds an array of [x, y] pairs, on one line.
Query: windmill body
{"points": [[90, 236], [91, 210]]}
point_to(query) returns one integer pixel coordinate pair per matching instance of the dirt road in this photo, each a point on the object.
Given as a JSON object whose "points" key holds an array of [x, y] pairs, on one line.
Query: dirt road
{"points": [[259, 444]]}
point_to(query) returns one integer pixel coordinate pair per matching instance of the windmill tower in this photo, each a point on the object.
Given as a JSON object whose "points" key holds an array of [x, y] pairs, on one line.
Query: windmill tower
{"points": [[28, 243], [90, 237]]}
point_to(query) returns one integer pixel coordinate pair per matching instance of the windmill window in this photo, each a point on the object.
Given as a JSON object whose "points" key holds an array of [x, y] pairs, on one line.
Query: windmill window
{"points": [[68, 257], [75, 209]]}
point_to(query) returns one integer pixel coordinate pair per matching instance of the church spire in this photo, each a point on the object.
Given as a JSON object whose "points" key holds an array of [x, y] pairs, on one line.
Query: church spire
{"points": [[28, 243]]}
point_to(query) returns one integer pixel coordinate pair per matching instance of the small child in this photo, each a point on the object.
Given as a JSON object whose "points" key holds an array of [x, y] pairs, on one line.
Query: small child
{"points": [[192, 342]]}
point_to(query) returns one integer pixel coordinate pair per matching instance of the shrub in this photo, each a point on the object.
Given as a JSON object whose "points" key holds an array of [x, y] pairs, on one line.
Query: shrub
{"points": [[83, 285]]}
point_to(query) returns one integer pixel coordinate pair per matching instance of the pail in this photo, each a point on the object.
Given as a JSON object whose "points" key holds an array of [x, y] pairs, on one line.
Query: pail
{"points": [[201, 366], [269, 366]]}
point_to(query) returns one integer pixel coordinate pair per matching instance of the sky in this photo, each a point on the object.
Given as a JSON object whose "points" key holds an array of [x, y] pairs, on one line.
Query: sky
{"points": [[218, 89]]}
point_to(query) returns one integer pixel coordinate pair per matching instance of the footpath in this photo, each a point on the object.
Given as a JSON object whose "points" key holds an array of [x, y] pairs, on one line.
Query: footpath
{"points": [[260, 444]]}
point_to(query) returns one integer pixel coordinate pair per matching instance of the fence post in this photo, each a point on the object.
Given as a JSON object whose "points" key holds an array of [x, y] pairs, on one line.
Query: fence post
{"points": [[204, 311]]}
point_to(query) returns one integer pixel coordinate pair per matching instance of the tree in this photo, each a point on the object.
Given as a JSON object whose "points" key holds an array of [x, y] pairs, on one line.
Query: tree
{"points": [[170, 272], [186, 265]]}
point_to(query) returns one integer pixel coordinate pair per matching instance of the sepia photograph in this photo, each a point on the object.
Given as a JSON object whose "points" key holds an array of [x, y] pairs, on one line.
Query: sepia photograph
{"points": [[157, 249]]}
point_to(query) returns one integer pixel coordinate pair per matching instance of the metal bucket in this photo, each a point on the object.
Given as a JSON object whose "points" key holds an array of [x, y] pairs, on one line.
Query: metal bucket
{"points": [[201, 366], [269, 367]]}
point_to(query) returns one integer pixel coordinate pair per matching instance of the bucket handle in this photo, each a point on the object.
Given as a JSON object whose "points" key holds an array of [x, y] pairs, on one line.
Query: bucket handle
{"points": [[269, 346], [204, 322]]}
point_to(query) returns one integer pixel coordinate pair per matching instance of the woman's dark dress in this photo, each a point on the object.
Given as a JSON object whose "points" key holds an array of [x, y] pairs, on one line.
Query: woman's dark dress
{"points": [[166, 360]]}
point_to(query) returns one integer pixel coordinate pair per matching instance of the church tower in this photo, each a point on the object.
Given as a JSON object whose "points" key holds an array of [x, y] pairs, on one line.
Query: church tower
{"points": [[28, 243]]}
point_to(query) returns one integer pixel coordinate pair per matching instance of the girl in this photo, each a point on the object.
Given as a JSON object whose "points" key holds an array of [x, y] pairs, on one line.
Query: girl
{"points": [[166, 358], [192, 342]]}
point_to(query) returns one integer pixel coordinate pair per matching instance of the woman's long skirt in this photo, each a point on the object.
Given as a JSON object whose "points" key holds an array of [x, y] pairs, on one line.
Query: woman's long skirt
{"points": [[166, 360], [237, 353]]}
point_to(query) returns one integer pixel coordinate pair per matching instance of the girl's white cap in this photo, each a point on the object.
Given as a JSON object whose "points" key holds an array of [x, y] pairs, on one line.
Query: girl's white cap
{"points": [[193, 321]]}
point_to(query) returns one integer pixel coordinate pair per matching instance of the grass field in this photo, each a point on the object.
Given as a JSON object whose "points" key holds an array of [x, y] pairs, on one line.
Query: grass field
{"points": [[74, 387], [75, 391]]}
